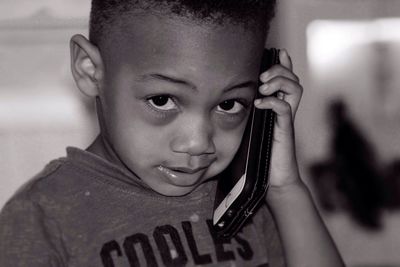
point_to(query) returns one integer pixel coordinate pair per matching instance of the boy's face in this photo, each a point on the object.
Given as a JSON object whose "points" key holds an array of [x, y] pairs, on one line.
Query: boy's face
{"points": [[176, 98]]}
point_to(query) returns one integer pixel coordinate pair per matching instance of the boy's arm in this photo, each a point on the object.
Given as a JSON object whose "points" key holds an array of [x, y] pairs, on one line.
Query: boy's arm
{"points": [[27, 237], [305, 239]]}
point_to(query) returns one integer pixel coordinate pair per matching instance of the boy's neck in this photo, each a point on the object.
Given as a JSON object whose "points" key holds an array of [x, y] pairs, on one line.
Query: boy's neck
{"points": [[101, 146], [102, 149]]}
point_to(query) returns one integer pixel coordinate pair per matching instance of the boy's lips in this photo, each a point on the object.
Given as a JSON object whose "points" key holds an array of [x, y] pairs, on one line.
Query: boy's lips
{"points": [[182, 175], [187, 169]]}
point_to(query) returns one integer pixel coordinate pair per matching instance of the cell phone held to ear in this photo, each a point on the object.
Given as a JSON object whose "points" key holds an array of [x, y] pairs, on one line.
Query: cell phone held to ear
{"points": [[243, 184]]}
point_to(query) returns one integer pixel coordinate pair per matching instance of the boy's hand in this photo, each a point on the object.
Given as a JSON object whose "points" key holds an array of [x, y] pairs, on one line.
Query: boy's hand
{"points": [[291, 204], [280, 78]]}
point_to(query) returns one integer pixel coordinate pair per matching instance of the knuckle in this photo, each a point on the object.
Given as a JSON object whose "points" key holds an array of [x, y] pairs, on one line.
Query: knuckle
{"points": [[286, 107], [296, 78], [279, 80], [301, 88]]}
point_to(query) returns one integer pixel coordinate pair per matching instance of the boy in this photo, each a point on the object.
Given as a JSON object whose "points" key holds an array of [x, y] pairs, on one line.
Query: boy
{"points": [[174, 82]]}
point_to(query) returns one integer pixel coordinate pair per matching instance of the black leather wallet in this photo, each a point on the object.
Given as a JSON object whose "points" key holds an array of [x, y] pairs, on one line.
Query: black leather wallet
{"points": [[244, 183]]}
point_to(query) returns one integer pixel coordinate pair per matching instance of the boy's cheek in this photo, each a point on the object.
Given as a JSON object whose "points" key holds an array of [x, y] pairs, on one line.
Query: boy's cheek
{"points": [[227, 144], [222, 162]]}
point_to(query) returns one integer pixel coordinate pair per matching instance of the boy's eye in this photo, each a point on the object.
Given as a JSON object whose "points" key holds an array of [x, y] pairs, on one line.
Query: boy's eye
{"points": [[230, 106], [162, 102]]}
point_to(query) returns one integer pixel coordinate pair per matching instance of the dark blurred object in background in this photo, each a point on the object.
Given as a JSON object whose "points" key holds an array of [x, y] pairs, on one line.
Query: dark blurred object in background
{"points": [[350, 179], [392, 181]]}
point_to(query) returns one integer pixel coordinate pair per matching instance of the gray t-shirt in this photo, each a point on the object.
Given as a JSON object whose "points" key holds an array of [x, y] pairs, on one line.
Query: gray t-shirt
{"points": [[85, 211]]}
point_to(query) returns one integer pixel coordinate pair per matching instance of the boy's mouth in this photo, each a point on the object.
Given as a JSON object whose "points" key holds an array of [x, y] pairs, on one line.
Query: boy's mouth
{"points": [[182, 175], [186, 169]]}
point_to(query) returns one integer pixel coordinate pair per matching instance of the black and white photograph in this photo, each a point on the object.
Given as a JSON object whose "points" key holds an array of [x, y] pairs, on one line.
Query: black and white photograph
{"points": [[254, 133]]}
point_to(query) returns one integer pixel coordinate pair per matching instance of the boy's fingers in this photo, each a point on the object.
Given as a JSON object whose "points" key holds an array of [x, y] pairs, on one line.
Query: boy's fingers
{"points": [[285, 59], [282, 84], [281, 80], [278, 70], [280, 107], [286, 89]]}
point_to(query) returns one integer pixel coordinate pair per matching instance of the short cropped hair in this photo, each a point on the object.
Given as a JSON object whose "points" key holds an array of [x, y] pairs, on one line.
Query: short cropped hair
{"points": [[104, 13]]}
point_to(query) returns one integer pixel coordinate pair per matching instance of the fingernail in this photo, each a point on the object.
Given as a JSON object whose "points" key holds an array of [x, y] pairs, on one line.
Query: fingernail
{"points": [[257, 102], [264, 76], [264, 88], [287, 54]]}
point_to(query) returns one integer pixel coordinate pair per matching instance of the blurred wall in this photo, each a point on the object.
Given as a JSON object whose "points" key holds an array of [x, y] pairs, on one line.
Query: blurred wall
{"points": [[36, 89], [359, 246], [41, 111]]}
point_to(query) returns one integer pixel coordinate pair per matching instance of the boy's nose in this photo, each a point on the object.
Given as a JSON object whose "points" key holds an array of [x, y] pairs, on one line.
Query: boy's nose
{"points": [[194, 137]]}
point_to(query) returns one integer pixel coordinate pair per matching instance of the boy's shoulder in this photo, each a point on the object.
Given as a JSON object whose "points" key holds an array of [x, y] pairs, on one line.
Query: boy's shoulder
{"points": [[59, 180], [45, 184], [68, 181], [36, 185]]}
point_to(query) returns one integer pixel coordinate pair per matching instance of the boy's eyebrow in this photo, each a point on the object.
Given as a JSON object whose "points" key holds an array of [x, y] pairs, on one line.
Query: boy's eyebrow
{"points": [[158, 76], [170, 79], [247, 84]]}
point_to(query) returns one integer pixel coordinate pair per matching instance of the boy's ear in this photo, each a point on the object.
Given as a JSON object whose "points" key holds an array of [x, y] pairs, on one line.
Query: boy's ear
{"points": [[86, 65]]}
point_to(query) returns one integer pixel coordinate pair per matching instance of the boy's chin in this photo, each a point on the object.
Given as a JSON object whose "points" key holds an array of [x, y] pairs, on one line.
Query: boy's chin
{"points": [[175, 191], [173, 182], [171, 190]]}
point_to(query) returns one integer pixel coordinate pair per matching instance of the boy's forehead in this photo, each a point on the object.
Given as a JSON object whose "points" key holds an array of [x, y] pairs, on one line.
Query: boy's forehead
{"points": [[164, 31], [147, 42]]}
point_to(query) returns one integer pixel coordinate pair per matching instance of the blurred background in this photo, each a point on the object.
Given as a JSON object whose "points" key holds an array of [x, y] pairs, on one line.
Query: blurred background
{"points": [[347, 54]]}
